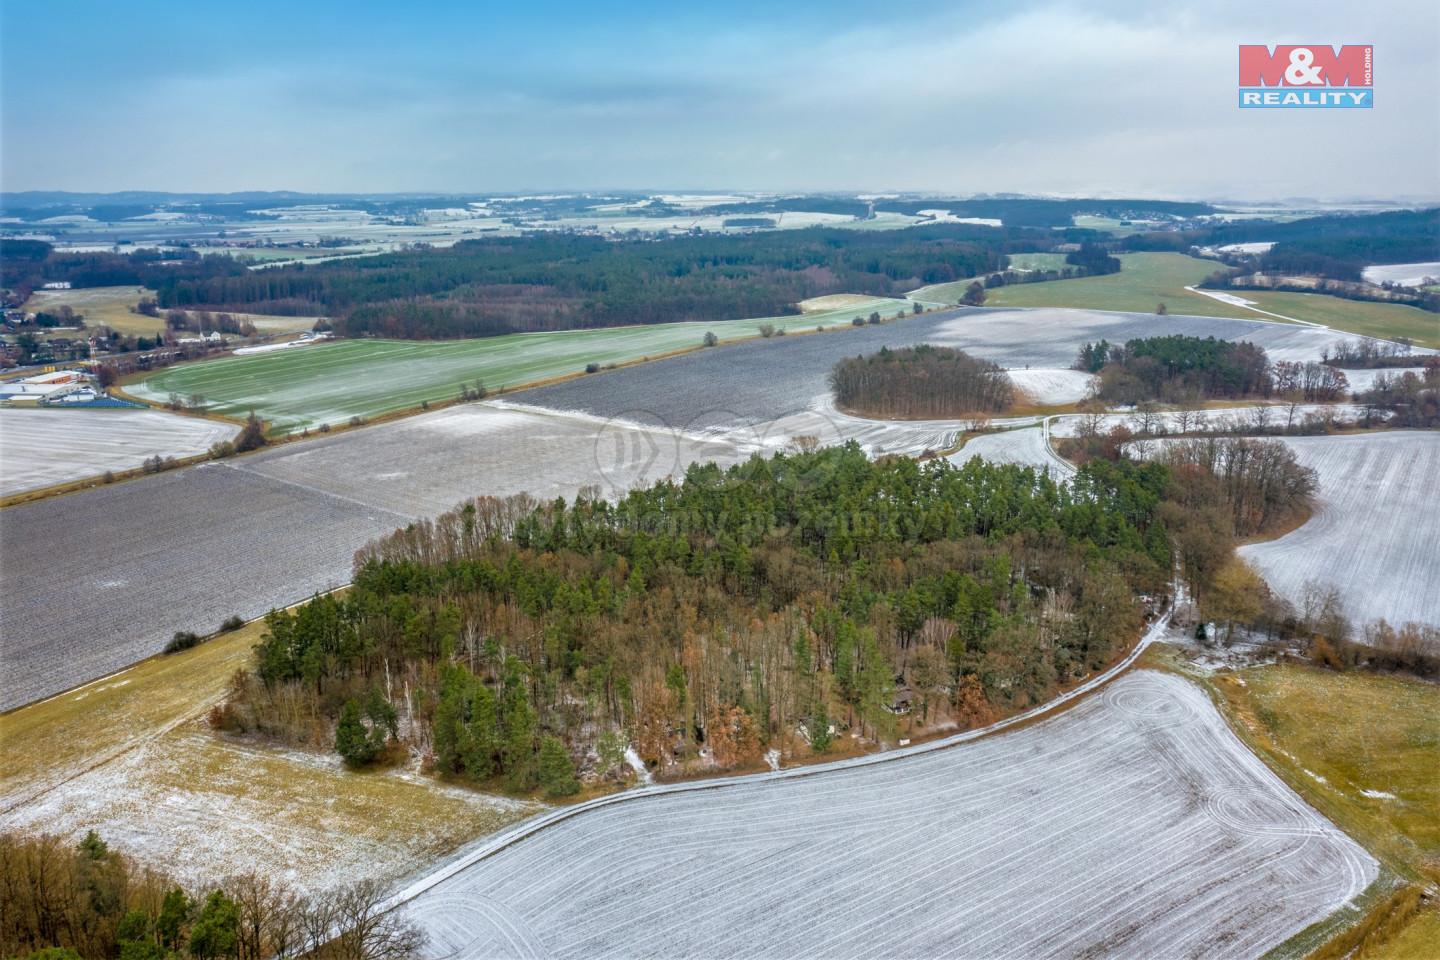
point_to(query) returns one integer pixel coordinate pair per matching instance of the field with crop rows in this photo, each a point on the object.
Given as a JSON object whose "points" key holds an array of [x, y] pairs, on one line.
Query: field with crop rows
{"points": [[40, 448], [1375, 531], [1135, 824], [95, 581], [759, 381], [330, 383]]}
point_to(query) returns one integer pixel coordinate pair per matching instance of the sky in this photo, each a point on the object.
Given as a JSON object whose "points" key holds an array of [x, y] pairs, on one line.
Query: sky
{"points": [[1123, 98]]}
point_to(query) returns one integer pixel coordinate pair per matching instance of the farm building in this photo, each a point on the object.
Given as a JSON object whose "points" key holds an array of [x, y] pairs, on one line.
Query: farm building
{"points": [[44, 386]]}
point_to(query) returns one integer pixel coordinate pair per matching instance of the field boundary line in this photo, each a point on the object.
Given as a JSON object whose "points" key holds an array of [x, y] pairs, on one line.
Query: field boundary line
{"points": [[510, 837], [324, 493]]}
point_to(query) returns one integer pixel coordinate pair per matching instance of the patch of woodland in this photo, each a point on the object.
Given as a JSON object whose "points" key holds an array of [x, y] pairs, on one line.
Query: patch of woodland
{"points": [[1406, 399], [783, 603], [64, 901], [1178, 368], [1364, 353], [921, 382]]}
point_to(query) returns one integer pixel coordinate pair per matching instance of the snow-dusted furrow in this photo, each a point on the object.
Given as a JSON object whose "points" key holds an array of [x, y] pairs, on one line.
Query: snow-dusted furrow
{"points": [[1134, 824], [1375, 532]]}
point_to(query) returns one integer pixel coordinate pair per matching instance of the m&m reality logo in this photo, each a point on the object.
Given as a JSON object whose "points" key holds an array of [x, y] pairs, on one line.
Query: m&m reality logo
{"points": [[1313, 75]]}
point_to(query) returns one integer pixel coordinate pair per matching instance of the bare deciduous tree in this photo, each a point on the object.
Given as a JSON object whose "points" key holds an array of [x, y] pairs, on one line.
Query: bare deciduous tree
{"points": [[367, 930]]}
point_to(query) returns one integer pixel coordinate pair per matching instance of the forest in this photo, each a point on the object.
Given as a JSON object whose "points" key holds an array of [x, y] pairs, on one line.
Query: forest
{"points": [[921, 381], [810, 602], [25, 265], [64, 901], [545, 281], [557, 281]]}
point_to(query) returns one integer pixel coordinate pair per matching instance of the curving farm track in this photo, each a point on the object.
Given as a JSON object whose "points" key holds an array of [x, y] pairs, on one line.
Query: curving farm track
{"points": [[1134, 824]]}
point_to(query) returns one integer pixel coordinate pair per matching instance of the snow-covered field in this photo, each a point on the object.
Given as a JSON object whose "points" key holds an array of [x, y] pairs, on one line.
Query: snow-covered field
{"points": [[241, 536], [1026, 446], [1407, 274], [188, 802], [1376, 532], [1056, 387], [1361, 380], [1133, 825], [40, 448], [760, 381]]}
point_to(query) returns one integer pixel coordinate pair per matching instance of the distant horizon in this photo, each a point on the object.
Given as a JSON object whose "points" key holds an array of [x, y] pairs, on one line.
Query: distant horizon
{"points": [[861, 193]]}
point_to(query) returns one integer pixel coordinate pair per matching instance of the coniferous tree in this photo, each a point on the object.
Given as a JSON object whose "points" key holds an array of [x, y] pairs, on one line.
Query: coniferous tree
{"points": [[215, 933], [557, 772]]}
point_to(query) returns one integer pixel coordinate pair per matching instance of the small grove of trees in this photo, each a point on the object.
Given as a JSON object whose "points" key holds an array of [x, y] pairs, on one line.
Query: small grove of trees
{"points": [[252, 437], [1259, 482], [1093, 260], [1406, 399], [921, 381], [64, 901], [1363, 353], [707, 620], [974, 295], [359, 744], [1173, 368]]}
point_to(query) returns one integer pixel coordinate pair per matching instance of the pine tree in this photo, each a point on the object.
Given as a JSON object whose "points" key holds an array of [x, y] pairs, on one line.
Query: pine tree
{"points": [[216, 929], [446, 730], [557, 772], [519, 752], [820, 728], [174, 912], [481, 741], [352, 741]]}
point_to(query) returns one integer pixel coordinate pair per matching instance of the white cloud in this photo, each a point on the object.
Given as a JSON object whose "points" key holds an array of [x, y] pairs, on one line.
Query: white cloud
{"points": [[1123, 97]]}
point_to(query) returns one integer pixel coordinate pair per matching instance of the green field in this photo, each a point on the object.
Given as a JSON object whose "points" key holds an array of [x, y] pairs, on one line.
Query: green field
{"points": [[107, 305], [1149, 279], [1144, 281], [330, 383], [1384, 320]]}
